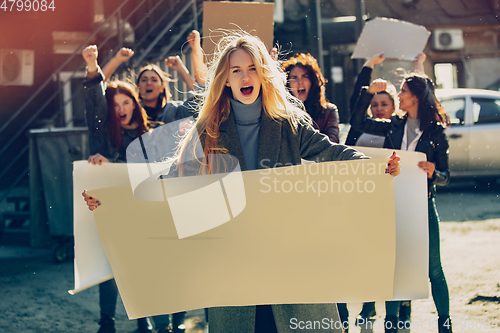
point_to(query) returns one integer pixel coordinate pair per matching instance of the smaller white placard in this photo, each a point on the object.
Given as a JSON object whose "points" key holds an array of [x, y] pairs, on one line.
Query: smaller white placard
{"points": [[397, 39]]}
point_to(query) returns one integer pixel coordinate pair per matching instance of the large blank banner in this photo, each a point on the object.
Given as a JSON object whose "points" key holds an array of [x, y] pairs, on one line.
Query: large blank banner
{"points": [[411, 267], [300, 230]]}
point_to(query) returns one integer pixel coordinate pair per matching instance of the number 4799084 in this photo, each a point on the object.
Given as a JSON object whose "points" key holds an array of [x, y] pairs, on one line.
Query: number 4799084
{"points": [[27, 5]]}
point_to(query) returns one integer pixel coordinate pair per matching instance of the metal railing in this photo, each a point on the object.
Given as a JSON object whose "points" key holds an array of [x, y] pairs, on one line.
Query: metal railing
{"points": [[118, 31]]}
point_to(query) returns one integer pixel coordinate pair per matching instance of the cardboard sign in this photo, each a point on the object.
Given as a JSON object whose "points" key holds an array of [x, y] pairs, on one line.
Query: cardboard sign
{"points": [[254, 18], [275, 251], [397, 39]]}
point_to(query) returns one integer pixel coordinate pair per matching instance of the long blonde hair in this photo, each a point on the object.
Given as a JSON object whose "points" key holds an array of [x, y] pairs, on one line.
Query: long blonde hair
{"points": [[277, 102]]}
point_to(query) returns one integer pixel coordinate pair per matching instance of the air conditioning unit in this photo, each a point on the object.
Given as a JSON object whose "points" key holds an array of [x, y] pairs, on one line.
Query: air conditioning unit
{"points": [[447, 39], [17, 67]]}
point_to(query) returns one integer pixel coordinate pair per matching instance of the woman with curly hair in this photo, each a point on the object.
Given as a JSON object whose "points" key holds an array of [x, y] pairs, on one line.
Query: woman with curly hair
{"points": [[306, 82]]}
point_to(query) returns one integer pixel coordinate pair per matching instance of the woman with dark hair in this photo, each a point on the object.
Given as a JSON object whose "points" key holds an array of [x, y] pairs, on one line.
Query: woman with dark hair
{"points": [[154, 99], [155, 96], [383, 105], [420, 129], [115, 119], [306, 82]]}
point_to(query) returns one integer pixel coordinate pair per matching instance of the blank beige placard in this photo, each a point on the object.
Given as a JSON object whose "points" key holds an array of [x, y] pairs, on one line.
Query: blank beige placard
{"points": [[290, 244], [254, 18]]}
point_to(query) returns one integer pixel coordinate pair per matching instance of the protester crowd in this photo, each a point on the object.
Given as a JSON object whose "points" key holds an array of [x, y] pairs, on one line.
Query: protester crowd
{"points": [[243, 97]]}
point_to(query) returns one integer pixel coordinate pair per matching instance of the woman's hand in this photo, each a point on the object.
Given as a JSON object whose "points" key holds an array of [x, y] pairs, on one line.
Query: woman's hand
{"points": [[375, 60], [124, 54], [97, 159], [194, 40], [175, 63], [90, 56], [419, 63], [274, 54], [393, 166], [92, 202], [377, 86], [428, 167], [420, 57], [185, 126]]}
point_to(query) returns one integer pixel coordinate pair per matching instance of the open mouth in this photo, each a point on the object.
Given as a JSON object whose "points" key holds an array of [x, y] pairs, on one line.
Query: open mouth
{"points": [[301, 91], [247, 91], [149, 91], [122, 116]]}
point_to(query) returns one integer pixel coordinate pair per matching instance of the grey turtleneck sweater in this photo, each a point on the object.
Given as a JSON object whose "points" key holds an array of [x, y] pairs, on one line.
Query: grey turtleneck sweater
{"points": [[247, 118]]}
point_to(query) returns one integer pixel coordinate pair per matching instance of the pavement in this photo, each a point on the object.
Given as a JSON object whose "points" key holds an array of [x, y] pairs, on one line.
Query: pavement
{"points": [[34, 297]]}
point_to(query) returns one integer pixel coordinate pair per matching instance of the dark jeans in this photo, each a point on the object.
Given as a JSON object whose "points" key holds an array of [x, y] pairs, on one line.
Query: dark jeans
{"points": [[108, 295], [439, 287]]}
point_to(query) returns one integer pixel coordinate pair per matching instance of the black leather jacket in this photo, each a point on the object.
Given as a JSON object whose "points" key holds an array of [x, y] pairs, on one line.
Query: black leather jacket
{"points": [[433, 141]]}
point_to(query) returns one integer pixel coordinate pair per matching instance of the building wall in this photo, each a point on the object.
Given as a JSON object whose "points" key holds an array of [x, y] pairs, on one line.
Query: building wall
{"points": [[479, 60], [33, 31]]}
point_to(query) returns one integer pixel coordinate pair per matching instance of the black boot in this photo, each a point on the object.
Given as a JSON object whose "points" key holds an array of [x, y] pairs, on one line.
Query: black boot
{"points": [[405, 314], [344, 316], [144, 325], [107, 324], [164, 329], [367, 313], [444, 324], [178, 322], [391, 324]]}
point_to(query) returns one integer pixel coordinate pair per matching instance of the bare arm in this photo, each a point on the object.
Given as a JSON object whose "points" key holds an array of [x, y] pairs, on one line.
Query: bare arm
{"points": [[419, 63], [197, 56], [121, 56]]}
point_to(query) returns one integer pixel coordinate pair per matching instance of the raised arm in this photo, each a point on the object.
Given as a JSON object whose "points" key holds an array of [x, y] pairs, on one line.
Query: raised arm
{"points": [[90, 56], [175, 63], [96, 106], [359, 119], [198, 57], [120, 57], [364, 77], [419, 63]]}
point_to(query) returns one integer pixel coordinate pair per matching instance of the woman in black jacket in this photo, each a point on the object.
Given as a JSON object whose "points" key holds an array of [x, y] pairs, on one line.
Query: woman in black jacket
{"points": [[420, 129]]}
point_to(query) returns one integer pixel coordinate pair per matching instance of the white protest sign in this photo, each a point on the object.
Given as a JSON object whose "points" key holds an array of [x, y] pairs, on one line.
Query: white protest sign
{"points": [[397, 39], [412, 240], [91, 264]]}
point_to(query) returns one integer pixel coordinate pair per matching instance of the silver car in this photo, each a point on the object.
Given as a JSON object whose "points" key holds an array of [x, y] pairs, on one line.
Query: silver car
{"points": [[474, 135]]}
